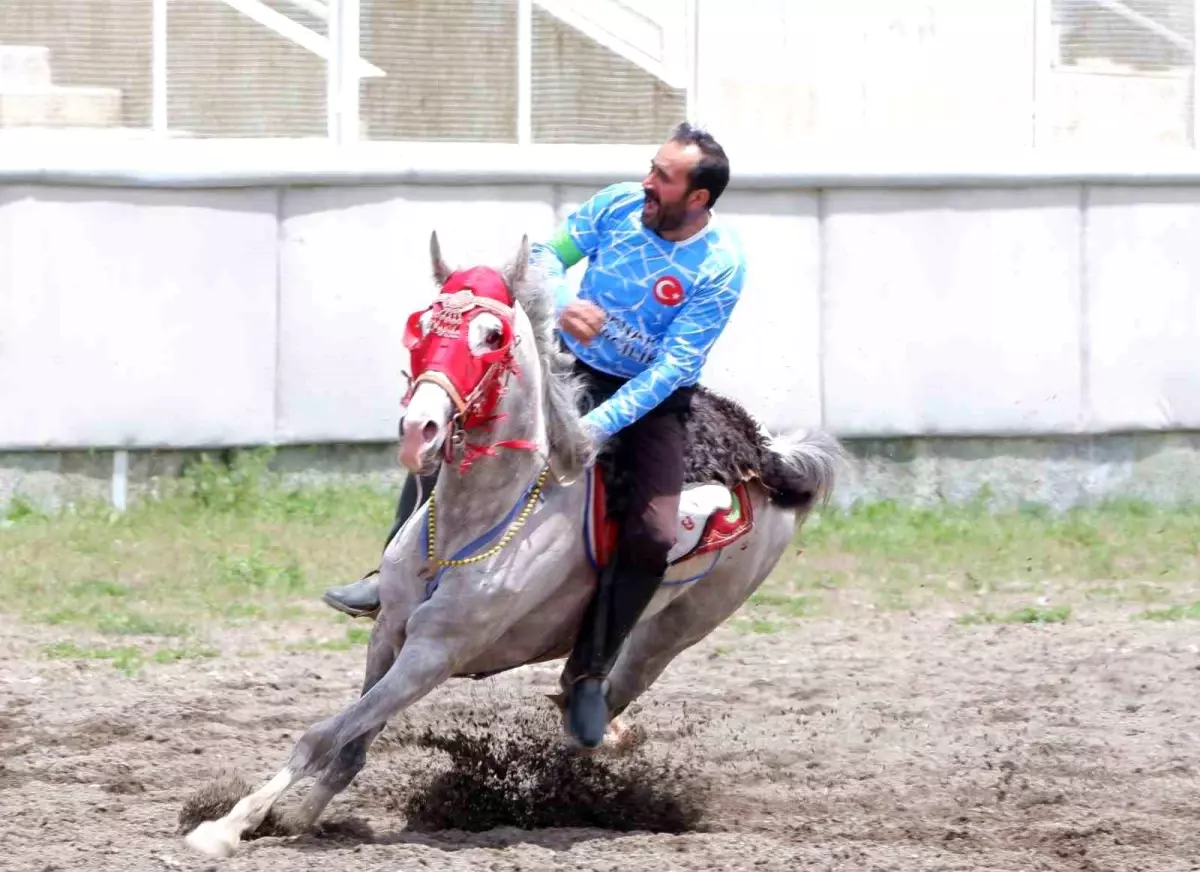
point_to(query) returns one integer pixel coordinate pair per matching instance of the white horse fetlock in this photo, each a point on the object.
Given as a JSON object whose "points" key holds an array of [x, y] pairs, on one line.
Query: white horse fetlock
{"points": [[214, 839]]}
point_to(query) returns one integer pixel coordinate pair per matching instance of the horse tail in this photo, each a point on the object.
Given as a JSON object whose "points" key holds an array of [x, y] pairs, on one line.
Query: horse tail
{"points": [[800, 468]]}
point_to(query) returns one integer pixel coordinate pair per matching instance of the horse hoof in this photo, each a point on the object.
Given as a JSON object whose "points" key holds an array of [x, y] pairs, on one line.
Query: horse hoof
{"points": [[617, 736], [573, 746], [212, 840], [622, 737]]}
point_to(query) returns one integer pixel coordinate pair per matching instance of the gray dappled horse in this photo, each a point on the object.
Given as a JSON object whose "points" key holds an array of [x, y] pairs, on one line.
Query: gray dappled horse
{"points": [[496, 569]]}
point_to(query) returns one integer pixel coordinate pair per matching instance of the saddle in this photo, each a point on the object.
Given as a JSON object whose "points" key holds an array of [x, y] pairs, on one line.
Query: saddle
{"points": [[723, 452], [711, 517]]}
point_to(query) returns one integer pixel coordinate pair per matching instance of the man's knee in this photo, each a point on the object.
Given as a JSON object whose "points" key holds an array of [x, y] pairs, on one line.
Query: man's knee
{"points": [[648, 537]]}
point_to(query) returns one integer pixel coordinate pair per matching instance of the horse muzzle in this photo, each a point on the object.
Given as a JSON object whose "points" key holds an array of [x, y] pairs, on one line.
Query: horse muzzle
{"points": [[424, 428], [419, 442]]}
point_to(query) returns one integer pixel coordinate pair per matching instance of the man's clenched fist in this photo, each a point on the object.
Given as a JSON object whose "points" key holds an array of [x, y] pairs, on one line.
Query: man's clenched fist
{"points": [[583, 320]]}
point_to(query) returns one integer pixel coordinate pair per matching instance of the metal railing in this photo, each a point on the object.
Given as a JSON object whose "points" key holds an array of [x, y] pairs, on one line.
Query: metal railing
{"points": [[1091, 75], [345, 67]]}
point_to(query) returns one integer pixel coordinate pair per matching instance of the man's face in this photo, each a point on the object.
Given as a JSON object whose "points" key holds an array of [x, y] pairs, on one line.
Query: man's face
{"points": [[668, 203]]}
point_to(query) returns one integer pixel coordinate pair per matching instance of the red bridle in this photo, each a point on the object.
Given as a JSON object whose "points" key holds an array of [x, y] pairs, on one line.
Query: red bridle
{"points": [[441, 353]]}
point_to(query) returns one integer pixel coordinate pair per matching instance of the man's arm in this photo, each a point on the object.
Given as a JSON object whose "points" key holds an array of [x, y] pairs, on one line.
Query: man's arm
{"points": [[579, 236], [684, 350], [555, 256]]}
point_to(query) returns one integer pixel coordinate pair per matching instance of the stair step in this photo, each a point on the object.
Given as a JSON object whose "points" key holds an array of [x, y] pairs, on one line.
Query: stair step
{"points": [[650, 35], [24, 66], [60, 107]]}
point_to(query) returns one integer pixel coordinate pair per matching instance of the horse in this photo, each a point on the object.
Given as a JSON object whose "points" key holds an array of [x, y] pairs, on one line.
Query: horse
{"points": [[495, 570]]}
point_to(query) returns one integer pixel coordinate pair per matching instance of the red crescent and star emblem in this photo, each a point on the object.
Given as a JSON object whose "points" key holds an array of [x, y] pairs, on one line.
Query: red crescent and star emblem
{"points": [[668, 291]]}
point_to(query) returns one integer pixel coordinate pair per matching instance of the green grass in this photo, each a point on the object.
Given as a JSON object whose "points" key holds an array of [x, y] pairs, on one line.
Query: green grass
{"points": [[1174, 613], [990, 566], [230, 545], [1026, 615], [126, 659], [353, 638]]}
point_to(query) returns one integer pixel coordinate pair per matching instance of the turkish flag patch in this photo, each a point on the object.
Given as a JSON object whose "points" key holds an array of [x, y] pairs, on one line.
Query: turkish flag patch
{"points": [[668, 291]]}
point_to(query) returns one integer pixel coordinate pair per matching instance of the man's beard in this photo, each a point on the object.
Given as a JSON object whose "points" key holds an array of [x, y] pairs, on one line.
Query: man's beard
{"points": [[660, 217]]}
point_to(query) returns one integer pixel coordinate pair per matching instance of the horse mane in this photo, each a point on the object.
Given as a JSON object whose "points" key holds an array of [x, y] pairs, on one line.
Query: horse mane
{"points": [[563, 396]]}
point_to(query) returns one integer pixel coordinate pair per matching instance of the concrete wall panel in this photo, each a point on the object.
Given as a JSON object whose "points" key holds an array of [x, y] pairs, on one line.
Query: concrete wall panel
{"points": [[184, 318], [1143, 308], [137, 318], [354, 263], [769, 356], [952, 311]]}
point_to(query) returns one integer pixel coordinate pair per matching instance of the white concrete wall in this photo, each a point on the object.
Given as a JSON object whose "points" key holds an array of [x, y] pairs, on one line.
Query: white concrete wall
{"points": [[273, 314], [912, 75], [887, 74]]}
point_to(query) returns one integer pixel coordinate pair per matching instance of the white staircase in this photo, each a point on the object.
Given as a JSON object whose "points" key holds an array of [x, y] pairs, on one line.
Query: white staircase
{"points": [[651, 34], [29, 97]]}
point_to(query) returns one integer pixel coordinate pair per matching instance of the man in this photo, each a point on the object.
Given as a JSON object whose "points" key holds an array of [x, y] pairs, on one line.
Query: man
{"points": [[661, 282]]}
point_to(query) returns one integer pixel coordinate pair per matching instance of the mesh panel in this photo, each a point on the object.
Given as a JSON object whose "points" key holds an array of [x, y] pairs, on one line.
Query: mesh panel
{"points": [[584, 92], [1122, 73], [1143, 35], [232, 76], [75, 63], [451, 70], [452, 75]]}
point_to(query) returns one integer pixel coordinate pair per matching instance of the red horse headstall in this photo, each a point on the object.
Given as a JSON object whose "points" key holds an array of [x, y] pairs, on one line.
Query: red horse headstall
{"points": [[469, 358]]}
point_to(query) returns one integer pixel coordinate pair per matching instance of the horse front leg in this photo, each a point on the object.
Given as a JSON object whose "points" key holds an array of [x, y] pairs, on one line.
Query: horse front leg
{"points": [[390, 630], [337, 776], [434, 647]]}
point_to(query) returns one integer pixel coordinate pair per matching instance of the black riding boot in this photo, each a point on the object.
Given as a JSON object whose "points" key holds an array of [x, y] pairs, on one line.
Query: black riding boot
{"points": [[360, 598], [622, 593]]}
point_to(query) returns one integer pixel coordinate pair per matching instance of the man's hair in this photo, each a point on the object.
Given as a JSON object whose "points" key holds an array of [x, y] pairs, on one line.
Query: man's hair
{"points": [[711, 172]]}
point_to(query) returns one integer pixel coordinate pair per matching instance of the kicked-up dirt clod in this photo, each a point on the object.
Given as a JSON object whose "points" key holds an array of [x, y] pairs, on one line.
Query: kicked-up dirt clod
{"points": [[518, 774]]}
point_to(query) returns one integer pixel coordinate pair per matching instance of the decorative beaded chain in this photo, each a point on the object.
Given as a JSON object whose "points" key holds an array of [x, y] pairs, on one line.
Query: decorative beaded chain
{"points": [[512, 530]]}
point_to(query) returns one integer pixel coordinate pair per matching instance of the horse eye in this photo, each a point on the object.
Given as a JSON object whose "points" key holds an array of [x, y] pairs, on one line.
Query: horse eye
{"points": [[494, 338]]}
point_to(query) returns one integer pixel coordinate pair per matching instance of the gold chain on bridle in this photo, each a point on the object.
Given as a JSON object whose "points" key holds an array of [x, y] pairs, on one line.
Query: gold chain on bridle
{"points": [[513, 528]]}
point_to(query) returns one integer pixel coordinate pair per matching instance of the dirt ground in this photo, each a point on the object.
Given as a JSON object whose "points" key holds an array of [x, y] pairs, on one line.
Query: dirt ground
{"points": [[888, 743]]}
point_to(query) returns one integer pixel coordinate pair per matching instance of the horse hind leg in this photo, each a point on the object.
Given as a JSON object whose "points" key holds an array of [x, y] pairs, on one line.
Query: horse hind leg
{"points": [[220, 838], [685, 621]]}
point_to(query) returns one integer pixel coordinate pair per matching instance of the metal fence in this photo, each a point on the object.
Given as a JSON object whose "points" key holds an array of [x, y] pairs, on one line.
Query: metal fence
{"points": [[829, 74], [1119, 72]]}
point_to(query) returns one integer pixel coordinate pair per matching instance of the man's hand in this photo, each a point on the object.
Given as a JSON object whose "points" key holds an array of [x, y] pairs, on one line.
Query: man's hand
{"points": [[583, 320]]}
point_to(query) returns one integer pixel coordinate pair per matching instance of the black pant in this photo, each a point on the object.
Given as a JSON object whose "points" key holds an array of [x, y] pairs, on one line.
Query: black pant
{"points": [[651, 454], [408, 501]]}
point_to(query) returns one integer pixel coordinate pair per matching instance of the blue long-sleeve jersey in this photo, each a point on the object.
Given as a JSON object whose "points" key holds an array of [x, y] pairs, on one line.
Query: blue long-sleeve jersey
{"points": [[666, 303]]}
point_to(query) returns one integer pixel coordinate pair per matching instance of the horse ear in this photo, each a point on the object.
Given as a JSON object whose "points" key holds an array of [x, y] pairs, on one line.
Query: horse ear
{"points": [[441, 272], [515, 274]]}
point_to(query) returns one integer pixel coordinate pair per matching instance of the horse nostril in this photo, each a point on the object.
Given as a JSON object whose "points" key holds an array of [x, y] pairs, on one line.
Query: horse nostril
{"points": [[429, 431]]}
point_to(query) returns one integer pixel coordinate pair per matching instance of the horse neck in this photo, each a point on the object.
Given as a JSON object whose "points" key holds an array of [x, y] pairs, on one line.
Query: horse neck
{"points": [[472, 501]]}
